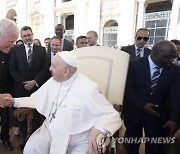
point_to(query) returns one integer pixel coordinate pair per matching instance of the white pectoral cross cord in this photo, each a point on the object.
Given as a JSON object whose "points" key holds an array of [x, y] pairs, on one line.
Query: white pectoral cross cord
{"points": [[57, 103], [53, 115]]}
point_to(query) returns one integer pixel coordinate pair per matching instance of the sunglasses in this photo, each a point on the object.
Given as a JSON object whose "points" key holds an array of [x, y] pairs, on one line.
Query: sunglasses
{"points": [[140, 38]]}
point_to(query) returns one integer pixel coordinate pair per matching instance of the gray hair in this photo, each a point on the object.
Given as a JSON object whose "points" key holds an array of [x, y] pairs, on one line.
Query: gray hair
{"points": [[7, 25]]}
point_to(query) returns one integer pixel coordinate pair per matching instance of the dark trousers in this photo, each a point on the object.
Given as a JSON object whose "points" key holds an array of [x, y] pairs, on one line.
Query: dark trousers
{"points": [[4, 123], [153, 129]]}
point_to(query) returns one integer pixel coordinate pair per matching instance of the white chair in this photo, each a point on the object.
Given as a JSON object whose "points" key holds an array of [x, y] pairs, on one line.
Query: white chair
{"points": [[108, 67]]}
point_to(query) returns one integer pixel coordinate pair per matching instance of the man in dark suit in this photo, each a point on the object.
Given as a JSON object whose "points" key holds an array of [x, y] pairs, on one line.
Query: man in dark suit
{"points": [[55, 46], [28, 68], [177, 43], [65, 44], [138, 49], [145, 105], [81, 41], [8, 35], [92, 37]]}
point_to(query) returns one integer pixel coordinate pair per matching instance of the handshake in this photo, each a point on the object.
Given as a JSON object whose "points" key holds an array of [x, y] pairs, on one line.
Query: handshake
{"points": [[6, 100]]}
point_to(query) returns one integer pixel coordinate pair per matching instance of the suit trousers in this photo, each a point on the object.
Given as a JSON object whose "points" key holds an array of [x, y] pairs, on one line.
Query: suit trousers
{"points": [[4, 123], [153, 130]]}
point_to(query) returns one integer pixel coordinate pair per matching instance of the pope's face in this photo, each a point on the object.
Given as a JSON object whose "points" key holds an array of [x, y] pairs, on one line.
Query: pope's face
{"points": [[7, 41], [58, 69]]}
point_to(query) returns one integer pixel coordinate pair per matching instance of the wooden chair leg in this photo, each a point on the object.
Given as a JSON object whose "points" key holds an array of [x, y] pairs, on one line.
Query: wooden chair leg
{"points": [[29, 118]]}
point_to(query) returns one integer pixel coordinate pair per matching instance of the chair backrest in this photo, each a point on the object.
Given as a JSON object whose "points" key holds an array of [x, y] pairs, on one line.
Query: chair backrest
{"points": [[106, 66]]}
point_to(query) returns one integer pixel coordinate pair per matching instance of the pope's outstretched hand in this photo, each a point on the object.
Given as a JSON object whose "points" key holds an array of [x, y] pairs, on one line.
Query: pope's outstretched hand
{"points": [[6, 100], [98, 141]]}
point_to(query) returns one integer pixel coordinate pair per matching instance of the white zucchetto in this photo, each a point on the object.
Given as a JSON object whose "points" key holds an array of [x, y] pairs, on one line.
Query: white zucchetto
{"points": [[68, 58]]}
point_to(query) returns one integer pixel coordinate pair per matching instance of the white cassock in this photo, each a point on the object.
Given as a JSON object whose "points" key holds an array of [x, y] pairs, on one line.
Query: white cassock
{"points": [[80, 106]]}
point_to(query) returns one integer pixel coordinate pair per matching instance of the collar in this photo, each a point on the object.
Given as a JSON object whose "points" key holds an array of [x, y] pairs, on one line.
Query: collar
{"points": [[52, 53], [152, 64], [27, 46], [136, 47], [70, 80]]}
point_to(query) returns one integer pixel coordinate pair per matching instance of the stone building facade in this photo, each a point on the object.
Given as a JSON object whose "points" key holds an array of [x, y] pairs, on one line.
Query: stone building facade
{"points": [[115, 21]]}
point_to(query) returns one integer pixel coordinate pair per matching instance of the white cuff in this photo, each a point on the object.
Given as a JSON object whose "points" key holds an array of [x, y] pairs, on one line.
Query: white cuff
{"points": [[16, 102], [104, 131]]}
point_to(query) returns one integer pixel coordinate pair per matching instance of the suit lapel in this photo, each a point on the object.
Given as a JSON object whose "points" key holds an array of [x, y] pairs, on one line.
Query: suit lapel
{"points": [[146, 52], [34, 55], [132, 51], [23, 54], [162, 78], [147, 74]]}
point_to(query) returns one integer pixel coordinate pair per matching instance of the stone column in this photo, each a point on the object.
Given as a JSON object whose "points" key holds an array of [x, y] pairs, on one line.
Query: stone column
{"points": [[80, 18], [174, 27], [126, 23], [140, 14], [2, 10], [93, 15], [48, 18], [22, 13]]}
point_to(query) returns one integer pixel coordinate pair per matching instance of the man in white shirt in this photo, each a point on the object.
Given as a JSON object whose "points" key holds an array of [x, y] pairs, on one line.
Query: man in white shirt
{"points": [[76, 111]]}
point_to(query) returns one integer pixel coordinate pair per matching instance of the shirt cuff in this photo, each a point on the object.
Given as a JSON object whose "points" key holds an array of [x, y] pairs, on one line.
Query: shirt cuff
{"points": [[104, 131], [16, 102], [36, 83]]}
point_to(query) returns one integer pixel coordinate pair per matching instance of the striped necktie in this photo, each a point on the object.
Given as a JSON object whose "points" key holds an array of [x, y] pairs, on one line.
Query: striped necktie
{"points": [[138, 55], [154, 79], [29, 56]]}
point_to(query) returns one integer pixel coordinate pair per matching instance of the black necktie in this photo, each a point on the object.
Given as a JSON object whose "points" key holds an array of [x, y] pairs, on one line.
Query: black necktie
{"points": [[54, 54], [138, 55], [29, 56], [154, 79]]}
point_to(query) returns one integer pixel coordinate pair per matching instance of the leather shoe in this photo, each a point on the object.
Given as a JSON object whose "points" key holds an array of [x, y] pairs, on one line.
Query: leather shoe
{"points": [[7, 145], [22, 144]]}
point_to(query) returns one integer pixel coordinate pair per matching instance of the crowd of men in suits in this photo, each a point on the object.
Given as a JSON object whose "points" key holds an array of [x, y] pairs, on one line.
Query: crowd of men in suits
{"points": [[29, 64], [151, 103]]}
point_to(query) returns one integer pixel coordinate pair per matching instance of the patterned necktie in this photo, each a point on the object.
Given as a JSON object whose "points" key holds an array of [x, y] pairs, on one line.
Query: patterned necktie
{"points": [[154, 79], [138, 55], [29, 56]]}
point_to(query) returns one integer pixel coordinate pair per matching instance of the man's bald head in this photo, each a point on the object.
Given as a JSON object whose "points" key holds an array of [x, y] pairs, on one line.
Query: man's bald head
{"points": [[163, 53]]}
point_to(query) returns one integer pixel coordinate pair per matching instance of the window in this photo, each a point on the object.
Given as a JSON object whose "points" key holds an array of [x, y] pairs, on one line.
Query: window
{"points": [[110, 33], [69, 33], [158, 24]]}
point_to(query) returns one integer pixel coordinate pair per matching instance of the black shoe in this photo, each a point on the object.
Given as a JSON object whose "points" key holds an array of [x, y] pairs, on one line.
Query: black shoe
{"points": [[22, 144], [7, 145]]}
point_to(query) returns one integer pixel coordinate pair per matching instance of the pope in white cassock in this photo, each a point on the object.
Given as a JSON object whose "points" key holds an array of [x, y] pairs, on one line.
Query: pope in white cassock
{"points": [[76, 111]]}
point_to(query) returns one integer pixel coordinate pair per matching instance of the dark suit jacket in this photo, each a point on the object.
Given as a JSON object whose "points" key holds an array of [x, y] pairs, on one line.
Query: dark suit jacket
{"points": [[131, 50], [5, 80], [49, 64], [68, 46], [20, 70], [174, 103], [138, 89]]}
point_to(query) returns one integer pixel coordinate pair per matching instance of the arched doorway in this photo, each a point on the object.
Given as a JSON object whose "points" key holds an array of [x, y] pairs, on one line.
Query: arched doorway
{"points": [[110, 33]]}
